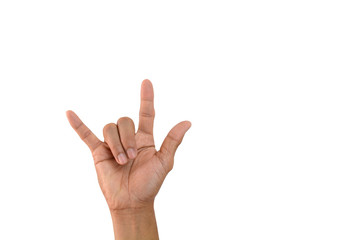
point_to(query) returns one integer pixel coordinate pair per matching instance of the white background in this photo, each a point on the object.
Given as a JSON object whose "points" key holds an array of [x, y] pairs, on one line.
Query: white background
{"points": [[271, 88]]}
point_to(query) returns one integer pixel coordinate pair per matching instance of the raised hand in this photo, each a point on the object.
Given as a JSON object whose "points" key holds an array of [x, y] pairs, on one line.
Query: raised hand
{"points": [[130, 170]]}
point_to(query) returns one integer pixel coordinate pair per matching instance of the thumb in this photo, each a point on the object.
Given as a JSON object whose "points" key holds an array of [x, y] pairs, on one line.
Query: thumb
{"points": [[171, 143]]}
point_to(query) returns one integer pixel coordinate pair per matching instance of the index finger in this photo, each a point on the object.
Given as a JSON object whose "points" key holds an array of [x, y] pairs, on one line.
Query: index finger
{"points": [[147, 111], [83, 131]]}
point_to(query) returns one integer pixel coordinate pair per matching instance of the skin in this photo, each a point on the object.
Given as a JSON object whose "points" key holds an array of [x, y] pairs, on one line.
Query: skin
{"points": [[129, 169]]}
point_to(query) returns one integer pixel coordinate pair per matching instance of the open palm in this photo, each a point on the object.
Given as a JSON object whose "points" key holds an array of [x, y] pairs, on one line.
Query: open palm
{"points": [[130, 170]]}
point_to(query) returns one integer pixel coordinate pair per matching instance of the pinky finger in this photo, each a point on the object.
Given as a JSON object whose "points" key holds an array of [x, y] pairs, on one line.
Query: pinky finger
{"points": [[83, 131]]}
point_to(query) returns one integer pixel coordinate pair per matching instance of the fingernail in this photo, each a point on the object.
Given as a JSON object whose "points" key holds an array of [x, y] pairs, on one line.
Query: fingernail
{"points": [[131, 153], [122, 158]]}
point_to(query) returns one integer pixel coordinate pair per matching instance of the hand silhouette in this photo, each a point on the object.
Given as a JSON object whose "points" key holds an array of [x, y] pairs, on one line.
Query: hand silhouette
{"points": [[130, 170]]}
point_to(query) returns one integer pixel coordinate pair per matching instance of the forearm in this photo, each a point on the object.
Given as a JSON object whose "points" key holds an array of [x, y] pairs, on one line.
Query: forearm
{"points": [[135, 224]]}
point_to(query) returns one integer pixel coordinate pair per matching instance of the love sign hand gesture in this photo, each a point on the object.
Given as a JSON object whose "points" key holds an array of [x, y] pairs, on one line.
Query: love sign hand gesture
{"points": [[130, 170]]}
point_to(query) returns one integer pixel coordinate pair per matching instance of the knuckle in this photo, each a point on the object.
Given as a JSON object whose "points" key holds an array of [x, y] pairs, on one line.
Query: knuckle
{"points": [[170, 167], [86, 134], [174, 138], [117, 149], [108, 127], [146, 114], [124, 120], [167, 165]]}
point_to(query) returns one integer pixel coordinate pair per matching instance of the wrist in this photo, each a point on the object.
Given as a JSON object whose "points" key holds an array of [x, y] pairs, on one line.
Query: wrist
{"points": [[135, 223], [132, 215], [131, 211]]}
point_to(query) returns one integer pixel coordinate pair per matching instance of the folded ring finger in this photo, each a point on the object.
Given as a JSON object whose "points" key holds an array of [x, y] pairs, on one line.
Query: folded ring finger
{"points": [[126, 129]]}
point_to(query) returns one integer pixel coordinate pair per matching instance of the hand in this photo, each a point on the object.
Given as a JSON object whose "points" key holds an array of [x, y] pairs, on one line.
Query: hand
{"points": [[130, 170]]}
